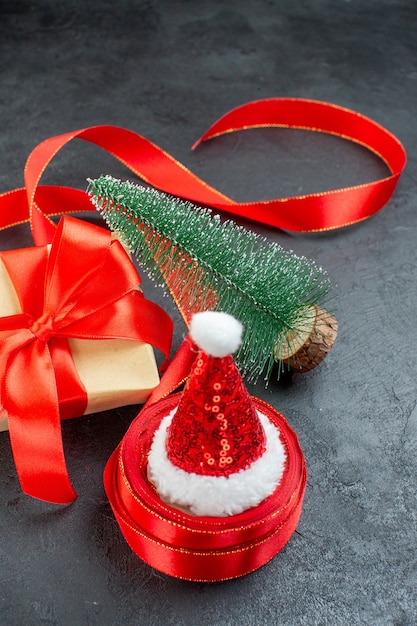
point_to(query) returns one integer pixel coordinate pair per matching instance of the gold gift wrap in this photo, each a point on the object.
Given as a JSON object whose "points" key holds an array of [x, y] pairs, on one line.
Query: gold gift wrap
{"points": [[114, 372]]}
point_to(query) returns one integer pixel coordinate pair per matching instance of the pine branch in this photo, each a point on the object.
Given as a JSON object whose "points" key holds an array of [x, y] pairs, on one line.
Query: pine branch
{"points": [[206, 264]]}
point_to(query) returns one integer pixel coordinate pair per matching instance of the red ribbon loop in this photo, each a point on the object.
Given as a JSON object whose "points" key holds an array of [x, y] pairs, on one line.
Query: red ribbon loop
{"points": [[89, 291], [312, 212]]}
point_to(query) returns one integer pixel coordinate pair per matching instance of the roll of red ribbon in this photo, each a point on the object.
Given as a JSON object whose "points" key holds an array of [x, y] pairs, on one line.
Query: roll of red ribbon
{"points": [[200, 548]]}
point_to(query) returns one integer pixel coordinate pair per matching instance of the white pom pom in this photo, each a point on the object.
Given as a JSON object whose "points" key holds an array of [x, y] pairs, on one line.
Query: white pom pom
{"points": [[218, 334]]}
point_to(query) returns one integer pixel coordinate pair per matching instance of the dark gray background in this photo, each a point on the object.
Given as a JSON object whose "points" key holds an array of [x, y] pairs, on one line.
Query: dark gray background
{"points": [[168, 70]]}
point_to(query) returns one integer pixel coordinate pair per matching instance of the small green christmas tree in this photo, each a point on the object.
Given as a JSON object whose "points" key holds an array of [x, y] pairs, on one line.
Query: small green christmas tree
{"points": [[209, 264]]}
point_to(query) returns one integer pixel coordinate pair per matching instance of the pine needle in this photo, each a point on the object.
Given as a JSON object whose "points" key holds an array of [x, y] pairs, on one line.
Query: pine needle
{"points": [[207, 264]]}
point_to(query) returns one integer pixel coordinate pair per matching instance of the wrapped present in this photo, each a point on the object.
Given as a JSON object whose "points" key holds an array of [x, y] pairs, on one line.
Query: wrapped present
{"points": [[76, 337]]}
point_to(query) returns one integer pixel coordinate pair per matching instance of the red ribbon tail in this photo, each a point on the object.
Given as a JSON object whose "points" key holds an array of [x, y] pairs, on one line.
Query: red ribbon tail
{"points": [[176, 373], [35, 428]]}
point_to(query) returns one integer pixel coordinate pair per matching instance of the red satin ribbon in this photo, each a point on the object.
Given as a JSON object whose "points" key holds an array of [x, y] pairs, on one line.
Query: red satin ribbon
{"points": [[200, 548], [86, 287], [318, 211]]}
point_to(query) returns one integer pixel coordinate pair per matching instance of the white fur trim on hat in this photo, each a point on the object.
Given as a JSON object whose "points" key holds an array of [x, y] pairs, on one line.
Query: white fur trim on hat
{"points": [[216, 496], [217, 333]]}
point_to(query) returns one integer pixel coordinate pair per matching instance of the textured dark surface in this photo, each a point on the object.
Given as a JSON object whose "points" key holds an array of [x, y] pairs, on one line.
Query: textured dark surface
{"points": [[168, 70]]}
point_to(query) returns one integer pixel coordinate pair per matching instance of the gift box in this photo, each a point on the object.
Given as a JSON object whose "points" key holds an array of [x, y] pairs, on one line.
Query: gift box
{"points": [[76, 337], [114, 373]]}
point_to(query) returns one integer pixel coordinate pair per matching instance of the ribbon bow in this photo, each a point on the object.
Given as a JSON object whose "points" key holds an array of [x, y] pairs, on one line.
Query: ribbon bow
{"points": [[85, 288]]}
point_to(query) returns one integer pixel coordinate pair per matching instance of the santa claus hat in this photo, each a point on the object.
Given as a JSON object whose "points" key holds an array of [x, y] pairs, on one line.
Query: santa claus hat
{"points": [[215, 454]]}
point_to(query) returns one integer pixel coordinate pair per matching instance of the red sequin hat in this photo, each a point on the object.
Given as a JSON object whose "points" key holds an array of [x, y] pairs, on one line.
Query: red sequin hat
{"points": [[215, 454], [223, 433]]}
